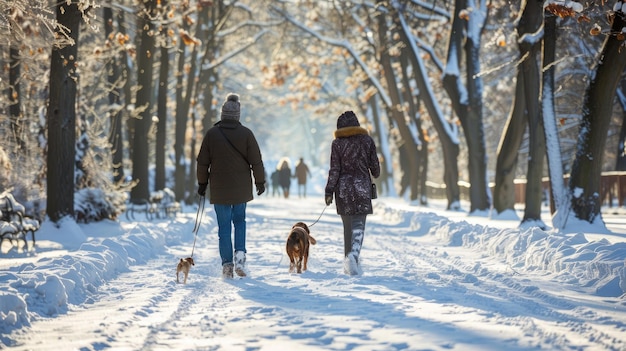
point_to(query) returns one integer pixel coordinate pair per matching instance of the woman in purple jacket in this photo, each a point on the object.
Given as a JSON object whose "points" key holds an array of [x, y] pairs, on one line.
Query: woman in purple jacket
{"points": [[353, 161]]}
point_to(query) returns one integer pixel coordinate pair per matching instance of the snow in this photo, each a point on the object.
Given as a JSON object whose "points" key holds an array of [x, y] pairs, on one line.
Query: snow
{"points": [[432, 280]]}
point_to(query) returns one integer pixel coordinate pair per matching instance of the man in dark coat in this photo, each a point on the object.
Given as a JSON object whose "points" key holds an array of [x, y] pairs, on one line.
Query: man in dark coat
{"points": [[227, 157], [353, 161], [302, 174]]}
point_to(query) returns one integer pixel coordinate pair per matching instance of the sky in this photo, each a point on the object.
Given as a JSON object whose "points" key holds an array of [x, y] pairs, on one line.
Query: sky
{"points": [[432, 280]]}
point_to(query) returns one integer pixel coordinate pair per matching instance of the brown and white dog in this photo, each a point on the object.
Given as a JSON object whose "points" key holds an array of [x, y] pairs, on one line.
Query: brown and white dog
{"points": [[298, 244], [184, 266]]}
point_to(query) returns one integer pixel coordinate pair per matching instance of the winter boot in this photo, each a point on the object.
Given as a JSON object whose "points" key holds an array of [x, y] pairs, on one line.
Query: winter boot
{"points": [[351, 264], [240, 263], [227, 271]]}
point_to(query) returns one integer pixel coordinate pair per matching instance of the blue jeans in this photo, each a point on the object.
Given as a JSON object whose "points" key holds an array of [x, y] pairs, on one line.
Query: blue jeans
{"points": [[227, 214]]}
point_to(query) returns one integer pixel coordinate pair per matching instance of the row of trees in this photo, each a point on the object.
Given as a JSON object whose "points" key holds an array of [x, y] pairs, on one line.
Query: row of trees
{"points": [[137, 68], [391, 63]]}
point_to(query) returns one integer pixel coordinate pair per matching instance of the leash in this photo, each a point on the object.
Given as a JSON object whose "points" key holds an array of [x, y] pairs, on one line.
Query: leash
{"points": [[196, 227], [318, 218]]}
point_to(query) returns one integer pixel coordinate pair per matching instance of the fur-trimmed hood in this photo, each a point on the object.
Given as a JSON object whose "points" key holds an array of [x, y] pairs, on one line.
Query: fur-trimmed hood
{"points": [[350, 131]]}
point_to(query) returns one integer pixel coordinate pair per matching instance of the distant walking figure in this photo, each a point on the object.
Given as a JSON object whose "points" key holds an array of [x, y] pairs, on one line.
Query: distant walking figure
{"points": [[275, 183], [284, 176], [302, 173]]}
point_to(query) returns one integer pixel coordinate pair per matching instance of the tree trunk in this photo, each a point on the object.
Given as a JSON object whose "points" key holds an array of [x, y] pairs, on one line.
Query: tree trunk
{"points": [[183, 105], [422, 172], [61, 117], [385, 174], [558, 196], [181, 123], [145, 58], [414, 117], [526, 108], [531, 22], [584, 186], [620, 162], [113, 78], [472, 119], [127, 79], [208, 77], [15, 101], [160, 148], [508, 150], [468, 103], [191, 183]]}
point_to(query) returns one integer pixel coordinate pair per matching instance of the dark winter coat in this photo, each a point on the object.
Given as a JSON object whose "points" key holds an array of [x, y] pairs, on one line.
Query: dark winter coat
{"points": [[275, 179], [353, 157], [284, 176], [228, 172], [302, 171]]}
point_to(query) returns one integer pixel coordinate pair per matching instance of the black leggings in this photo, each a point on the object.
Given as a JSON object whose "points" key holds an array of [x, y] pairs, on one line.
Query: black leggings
{"points": [[353, 232]]}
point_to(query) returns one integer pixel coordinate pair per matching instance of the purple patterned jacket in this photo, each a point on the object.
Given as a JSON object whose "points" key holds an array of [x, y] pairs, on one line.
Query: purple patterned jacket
{"points": [[353, 157]]}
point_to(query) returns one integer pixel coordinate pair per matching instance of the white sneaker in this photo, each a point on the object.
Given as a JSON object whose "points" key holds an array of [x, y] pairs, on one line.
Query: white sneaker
{"points": [[240, 263]]}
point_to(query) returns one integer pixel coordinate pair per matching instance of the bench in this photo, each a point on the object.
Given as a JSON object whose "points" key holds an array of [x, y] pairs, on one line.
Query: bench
{"points": [[166, 204], [162, 204], [14, 224], [140, 206]]}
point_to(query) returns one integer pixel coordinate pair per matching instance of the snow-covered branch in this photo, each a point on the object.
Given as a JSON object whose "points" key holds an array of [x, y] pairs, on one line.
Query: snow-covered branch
{"points": [[343, 43], [233, 29], [445, 13], [220, 60]]}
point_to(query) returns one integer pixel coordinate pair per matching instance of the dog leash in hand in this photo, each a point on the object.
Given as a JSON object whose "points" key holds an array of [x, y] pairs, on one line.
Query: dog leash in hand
{"points": [[196, 227], [318, 218]]}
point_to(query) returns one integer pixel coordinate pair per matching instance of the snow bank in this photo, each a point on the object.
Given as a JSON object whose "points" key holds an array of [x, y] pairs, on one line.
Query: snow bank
{"points": [[48, 286], [573, 259]]}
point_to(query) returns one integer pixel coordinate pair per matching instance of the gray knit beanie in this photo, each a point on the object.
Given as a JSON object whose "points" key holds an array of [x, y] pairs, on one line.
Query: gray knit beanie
{"points": [[231, 108]]}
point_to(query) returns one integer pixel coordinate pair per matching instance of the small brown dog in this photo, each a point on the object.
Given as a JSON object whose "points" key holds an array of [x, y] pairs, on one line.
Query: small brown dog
{"points": [[298, 244], [184, 266]]}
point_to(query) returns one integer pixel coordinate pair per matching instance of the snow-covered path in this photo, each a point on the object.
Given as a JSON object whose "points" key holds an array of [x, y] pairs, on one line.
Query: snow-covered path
{"points": [[418, 292]]}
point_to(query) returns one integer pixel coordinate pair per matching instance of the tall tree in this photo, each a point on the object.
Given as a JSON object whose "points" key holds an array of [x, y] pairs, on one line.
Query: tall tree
{"points": [[210, 15], [413, 99], [61, 113], [526, 113], [396, 110], [445, 130], [532, 18], [15, 94], [143, 104], [584, 185], [113, 79], [184, 92], [467, 25], [162, 94], [558, 201], [620, 162]]}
